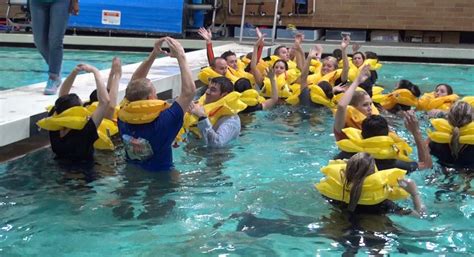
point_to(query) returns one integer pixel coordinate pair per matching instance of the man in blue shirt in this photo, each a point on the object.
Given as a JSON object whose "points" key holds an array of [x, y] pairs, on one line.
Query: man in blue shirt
{"points": [[148, 144]]}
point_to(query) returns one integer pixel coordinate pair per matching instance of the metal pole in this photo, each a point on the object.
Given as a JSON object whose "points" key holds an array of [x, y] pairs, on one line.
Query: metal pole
{"points": [[242, 21], [275, 18]]}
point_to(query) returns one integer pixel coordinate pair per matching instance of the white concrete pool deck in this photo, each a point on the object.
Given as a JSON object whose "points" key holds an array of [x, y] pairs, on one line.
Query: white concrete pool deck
{"points": [[20, 108]]}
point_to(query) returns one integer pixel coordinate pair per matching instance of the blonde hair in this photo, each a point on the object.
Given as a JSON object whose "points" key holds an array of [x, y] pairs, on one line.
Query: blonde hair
{"points": [[138, 89], [357, 98], [333, 60], [358, 168], [459, 115]]}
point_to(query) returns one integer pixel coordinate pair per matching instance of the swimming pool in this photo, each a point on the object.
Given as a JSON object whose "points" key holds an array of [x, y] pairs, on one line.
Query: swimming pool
{"points": [[25, 66], [263, 181]]}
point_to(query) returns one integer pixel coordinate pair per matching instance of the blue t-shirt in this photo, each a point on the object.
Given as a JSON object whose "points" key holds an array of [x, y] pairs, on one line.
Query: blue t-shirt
{"points": [[159, 134]]}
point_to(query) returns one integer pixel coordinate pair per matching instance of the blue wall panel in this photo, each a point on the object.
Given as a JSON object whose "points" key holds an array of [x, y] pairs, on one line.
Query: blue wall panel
{"points": [[161, 16]]}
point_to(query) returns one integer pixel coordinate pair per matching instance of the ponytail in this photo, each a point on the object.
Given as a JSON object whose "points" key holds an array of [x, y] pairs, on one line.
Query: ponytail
{"points": [[358, 168], [459, 115]]}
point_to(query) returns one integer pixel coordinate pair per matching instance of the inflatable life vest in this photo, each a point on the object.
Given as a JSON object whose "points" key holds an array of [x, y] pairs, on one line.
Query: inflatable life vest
{"points": [[251, 97], [76, 118], [93, 106], [317, 96], [208, 73], [228, 105], [380, 147], [354, 71], [274, 58], [469, 100], [142, 111], [399, 96], [377, 187], [282, 86], [331, 77], [443, 132], [315, 66], [429, 102], [240, 73]]}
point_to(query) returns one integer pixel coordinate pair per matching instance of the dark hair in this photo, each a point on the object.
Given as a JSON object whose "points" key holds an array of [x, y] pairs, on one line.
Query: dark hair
{"points": [[277, 50], [337, 53], [371, 55], [327, 89], [362, 54], [224, 83], [213, 62], [65, 102], [374, 125], [406, 84], [242, 84], [227, 54], [285, 63], [448, 88], [358, 168]]}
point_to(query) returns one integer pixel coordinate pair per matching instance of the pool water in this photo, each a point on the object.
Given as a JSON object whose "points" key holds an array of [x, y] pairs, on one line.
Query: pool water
{"points": [[254, 198], [25, 66]]}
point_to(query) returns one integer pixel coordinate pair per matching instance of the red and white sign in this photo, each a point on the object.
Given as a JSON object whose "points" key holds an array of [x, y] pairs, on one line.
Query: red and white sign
{"points": [[111, 17]]}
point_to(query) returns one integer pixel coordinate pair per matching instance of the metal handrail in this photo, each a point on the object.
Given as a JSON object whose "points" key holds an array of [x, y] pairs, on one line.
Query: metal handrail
{"points": [[313, 11], [242, 21]]}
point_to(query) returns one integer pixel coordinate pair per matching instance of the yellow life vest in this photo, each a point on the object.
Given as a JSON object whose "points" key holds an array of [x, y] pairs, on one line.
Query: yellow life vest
{"points": [[317, 96], [381, 147], [429, 102], [315, 66], [443, 132], [377, 187], [377, 90], [354, 117], [76, 118], [142, 111], [240, 73], [251, 97], [228, 105], [208, 73], [274, 58], [399, 96], [354, 71], [469, 100], [331, 77], [282, 86], [93, 106]]}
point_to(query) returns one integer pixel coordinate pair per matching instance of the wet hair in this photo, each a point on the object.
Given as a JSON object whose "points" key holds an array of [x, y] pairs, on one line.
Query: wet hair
{"points": [[242, 84], [213, 62], [327, 89], [224, 83], [362, 54], [357, 97], [227, 54], [406, 84], [374, 125], [449, 89], [65, 102], [337, 53], [285, 63], [358, 168], [459, 115], [277, 50], [138, 89], [371, 55]]}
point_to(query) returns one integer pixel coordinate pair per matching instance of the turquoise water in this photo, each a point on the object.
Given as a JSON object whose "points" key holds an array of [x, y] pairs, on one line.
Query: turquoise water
{"points": [[26, 66], [263, 181]]}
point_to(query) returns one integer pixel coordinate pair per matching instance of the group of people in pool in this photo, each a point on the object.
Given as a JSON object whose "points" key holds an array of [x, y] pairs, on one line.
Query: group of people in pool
{"points": [[149, 127]]}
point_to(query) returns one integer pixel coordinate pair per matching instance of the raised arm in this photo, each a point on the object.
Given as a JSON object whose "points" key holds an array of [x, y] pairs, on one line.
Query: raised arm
{"points": [[207, 35], [69, 81], [340, 118], [346, 40], [424, 157], [253, 64], [313, 53], [102, 94], [269, 103], [188, 88], [112, 86], [299, 53], [142, 71]]}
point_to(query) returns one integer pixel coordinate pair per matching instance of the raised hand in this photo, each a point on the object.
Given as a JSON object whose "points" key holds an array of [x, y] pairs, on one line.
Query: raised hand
{"points": [[346, 40], [364, 74], [355, 47], [116, 67], [270, 72], [411, 122], [87, 67], [299, 37], [158, 44], [176, 50], [205, 34]]}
